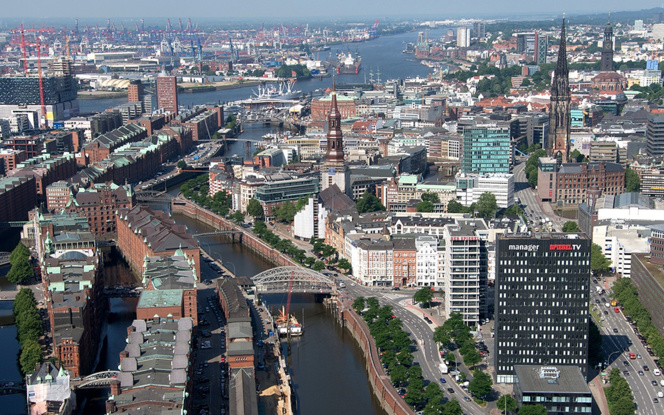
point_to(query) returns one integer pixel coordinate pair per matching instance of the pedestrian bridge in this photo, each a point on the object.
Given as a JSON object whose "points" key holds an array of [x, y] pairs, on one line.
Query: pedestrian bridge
{"points": [[153, 196], [304, 280], [97, 380]]}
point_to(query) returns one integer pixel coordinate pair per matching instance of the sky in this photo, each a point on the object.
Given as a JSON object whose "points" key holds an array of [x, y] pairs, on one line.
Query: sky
{"points": [[307, 9]]}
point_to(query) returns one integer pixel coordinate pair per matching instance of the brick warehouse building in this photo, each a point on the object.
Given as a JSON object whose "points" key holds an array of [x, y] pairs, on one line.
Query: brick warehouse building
{"points": [[144, 232], [320, 108], [575, 183]]}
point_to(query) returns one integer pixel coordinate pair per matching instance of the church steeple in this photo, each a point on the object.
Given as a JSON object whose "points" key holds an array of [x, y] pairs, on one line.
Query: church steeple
{"points": [[559, 113], [607, 48], [335, 144]]}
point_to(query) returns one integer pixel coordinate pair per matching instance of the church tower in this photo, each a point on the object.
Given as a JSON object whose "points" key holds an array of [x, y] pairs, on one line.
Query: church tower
{"points": [[335, 170], [607, 48], [558, 142]]}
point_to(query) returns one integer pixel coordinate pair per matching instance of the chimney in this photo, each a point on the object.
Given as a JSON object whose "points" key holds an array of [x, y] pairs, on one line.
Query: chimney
{"points": [[123, 354], [115, 389], [130, 329]]}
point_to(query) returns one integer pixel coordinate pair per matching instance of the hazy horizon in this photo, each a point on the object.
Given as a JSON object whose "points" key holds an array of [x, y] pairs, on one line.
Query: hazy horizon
{"points": [[314, 9]]}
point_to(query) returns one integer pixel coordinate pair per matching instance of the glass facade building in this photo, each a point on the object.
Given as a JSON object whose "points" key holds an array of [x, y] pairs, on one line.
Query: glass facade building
{"points": [[486, 149]]}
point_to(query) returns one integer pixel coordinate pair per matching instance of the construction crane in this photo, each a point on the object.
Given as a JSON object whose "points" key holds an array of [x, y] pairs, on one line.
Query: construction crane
{"points": [[288, 300], [41, 86], [25, 53]]}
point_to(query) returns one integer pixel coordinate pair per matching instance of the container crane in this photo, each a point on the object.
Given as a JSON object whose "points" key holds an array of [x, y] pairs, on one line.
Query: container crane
{"points": [[25, 53], [180, 22]]}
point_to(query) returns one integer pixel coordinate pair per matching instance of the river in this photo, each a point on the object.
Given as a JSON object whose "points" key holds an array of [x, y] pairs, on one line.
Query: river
{"points": [[382, 54]]}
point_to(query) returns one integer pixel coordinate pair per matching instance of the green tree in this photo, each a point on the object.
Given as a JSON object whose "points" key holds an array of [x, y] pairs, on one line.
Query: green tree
{"points": [[533, 410], [254, 208], [182, 165], [301, 203], [369, 203], [424, 296], [430, 197], [506, 403], [487, 206], [471, 357], [285, 212], [31, 354], [344, 264], [415, 390], [632, 181], [571, 226], [598, 261], [432, 391], [425, 206], [309, 261], [399, 374], [453, 329], [623, 406], [455, 207], [24, 300], [20, 272], [237, 217], [318, 266], [531, 167], [358, 304], [29, 325], [481, 384], [452, 408], [20, 253]]}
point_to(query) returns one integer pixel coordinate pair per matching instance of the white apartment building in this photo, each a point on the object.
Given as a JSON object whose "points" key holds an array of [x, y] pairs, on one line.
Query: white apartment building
{"points": [[427, 261], [619, 241], [466, 272], [471, 186], [372, 261]]}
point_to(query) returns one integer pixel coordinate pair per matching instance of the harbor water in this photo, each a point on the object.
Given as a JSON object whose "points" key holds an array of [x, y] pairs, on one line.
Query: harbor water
{"points": [[380, 55]]}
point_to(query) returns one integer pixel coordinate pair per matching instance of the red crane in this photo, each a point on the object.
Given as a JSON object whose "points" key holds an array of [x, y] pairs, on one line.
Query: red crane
{"points": [[41, 86], [25, 53], [290, 291]]}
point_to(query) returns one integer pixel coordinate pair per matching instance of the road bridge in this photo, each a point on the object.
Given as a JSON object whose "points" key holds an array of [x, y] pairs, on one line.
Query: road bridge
{"points": [[99, 380], [10, 387], [304, 280], [153, 196]]}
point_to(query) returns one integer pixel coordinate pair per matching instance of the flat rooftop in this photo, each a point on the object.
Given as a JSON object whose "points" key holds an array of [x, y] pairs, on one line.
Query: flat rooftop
{"points": [[569, 381]]}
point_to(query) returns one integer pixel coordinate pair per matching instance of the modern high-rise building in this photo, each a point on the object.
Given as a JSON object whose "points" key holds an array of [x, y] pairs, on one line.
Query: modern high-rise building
{"points": [[463, 37], [655, 137], [607, 49], [486, 149], [479, 30], [542, 301], [167, 93], [466, 271], [541, 47], [558, 142]]}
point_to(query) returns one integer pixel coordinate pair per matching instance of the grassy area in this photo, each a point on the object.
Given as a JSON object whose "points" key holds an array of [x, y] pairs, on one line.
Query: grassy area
{"points": [[480, 402], [597, 315]]}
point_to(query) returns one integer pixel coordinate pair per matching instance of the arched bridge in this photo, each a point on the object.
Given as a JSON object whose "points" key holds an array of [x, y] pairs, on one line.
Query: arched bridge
{"points": [[9, 387], [97, 380], [153, 196], [304, 280]]}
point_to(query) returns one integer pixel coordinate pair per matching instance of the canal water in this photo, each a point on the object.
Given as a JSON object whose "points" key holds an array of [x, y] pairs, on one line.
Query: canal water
{"points": [[326, 364]]}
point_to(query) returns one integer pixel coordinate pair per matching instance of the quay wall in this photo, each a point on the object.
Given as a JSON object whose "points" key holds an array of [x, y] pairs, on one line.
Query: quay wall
{"points": [[380, 383], [248, 239]]}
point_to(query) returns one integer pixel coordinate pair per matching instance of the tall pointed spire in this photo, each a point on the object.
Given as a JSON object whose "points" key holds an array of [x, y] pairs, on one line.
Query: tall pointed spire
{"points": [[335, 146], [558, 143]]}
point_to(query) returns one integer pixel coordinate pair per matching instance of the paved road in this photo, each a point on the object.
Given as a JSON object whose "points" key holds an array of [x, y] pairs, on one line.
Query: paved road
{"points": [[613, 346], [526, 194], [427, 355]]}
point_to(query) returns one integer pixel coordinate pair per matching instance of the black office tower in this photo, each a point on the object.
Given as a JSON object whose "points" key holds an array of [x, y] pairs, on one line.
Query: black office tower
{"points": [[542, 299]]}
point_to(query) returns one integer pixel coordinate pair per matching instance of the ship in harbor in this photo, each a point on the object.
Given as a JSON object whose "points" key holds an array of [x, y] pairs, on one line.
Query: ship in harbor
{"points": [[348, 64], [281, 91], [287, 324]]}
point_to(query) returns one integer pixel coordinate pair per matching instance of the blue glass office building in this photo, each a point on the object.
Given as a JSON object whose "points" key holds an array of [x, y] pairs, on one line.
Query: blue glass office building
{"points": [[486, 149]]}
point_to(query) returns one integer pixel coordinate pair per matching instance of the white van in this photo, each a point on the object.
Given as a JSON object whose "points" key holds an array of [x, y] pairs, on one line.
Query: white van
{"points": [[656, 372]]}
